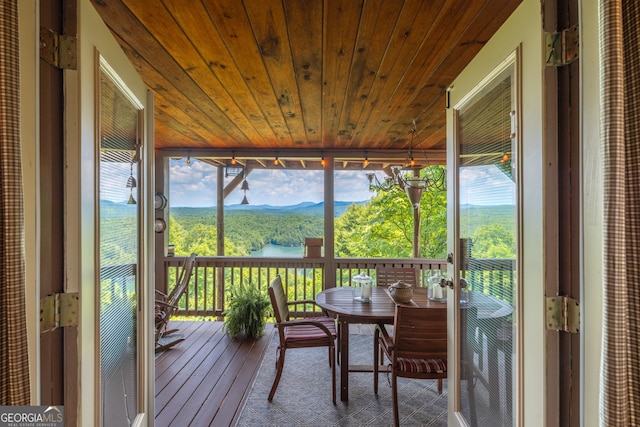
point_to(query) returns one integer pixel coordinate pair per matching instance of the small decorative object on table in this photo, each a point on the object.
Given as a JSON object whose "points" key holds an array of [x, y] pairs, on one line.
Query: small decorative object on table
{"points": [[437, 290], [401, 292], [362, 287]]}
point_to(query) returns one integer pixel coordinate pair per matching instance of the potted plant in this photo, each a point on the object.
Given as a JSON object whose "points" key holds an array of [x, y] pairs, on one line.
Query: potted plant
{"points": [[248, 310]]}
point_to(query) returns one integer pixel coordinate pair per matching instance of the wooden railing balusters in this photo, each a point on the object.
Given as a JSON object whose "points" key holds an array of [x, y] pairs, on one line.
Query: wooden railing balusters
{"points": [[215, 276]]}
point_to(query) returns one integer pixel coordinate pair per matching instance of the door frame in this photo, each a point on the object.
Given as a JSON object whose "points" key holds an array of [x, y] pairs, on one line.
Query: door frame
{"points": [[56, 365], [563, 211], [81, 223], [522, 28], [513, 60], [30, 111]]}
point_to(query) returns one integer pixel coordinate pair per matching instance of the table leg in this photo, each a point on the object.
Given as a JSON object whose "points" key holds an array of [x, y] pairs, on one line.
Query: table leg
{"points": [[344, 360]]}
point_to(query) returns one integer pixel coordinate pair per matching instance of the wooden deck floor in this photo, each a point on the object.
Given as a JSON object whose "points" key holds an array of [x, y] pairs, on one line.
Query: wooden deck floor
{"points": [[204, 380]]}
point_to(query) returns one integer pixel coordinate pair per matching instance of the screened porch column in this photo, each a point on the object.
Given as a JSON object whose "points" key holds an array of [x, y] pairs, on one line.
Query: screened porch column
{"points": [[329, 246]]}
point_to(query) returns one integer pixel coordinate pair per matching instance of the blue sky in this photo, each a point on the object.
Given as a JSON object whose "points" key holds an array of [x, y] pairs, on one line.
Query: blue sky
{"points": [[486, 185], [195, 185]]}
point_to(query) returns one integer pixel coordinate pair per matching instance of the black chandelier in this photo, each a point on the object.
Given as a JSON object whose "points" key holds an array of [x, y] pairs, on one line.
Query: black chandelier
{"points": [[408, 178]]}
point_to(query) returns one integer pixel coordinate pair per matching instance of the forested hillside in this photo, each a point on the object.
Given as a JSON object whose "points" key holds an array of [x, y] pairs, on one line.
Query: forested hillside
{"points": [[381, 227], [248, 228], [245, 231]]}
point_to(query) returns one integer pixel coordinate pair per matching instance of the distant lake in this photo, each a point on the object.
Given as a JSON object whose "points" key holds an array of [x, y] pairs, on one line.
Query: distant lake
{"points": [[276, 251]]}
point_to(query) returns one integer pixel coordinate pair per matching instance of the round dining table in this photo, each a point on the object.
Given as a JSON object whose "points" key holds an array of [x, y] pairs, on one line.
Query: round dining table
{"points": [[380, 309], [489, 312]]}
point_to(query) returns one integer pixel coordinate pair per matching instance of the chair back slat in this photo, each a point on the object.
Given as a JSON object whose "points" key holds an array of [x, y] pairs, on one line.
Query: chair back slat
{"points": [[182, 282], [420, 332], [386, 276], [166, 307], [183, 278], [278, 300]]}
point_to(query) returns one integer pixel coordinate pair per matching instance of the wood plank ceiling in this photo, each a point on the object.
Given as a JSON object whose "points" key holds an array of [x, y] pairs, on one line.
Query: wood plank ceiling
{"points": [[345, 78]]}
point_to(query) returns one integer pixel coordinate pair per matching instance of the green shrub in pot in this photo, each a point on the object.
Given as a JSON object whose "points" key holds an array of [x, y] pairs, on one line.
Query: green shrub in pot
{"points": [[248, 310]]}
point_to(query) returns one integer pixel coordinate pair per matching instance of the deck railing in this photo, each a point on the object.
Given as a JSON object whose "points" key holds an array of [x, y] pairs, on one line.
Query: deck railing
{"points": [[215, 277], [492, 276]]}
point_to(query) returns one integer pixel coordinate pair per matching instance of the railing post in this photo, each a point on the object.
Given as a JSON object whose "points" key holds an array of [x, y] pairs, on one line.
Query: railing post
{"points": [[219, 287], [329, 244]]}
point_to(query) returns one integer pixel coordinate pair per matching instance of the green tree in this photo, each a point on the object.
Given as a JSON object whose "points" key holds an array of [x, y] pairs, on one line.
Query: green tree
{"points": [[384, 226], [493, 241], [201, 239]]}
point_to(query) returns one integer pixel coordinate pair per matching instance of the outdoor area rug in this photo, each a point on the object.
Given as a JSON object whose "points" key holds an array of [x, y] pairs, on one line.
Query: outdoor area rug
{"points": [[303, 397]]}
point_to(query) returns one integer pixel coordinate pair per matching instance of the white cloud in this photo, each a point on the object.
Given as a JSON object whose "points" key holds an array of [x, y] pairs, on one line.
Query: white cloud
{"points": [[192, 185], [352, 186], [485, 185], [195, 185]]}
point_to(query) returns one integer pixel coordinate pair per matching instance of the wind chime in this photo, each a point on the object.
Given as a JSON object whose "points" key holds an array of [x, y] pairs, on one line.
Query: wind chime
{"points": [[131, 183], [244, 187]]}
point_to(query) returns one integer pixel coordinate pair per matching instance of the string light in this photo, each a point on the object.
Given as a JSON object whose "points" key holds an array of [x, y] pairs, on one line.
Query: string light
{"points": [[188, 159], [276, 161], [233, 160], [323, 162], [366, 161]]}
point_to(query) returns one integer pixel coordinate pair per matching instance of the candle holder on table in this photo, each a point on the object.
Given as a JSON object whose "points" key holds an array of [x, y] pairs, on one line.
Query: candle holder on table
{"points": [[437, 288], [362, 287]]}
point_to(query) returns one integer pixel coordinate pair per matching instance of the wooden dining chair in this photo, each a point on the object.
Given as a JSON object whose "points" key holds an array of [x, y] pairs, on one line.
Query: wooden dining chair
{"points": [[300, 333], [417, 349], [386, 276]]}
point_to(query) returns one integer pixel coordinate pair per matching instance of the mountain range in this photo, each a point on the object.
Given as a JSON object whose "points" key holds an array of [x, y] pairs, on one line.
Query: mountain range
{"points": [[304, 208]]}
